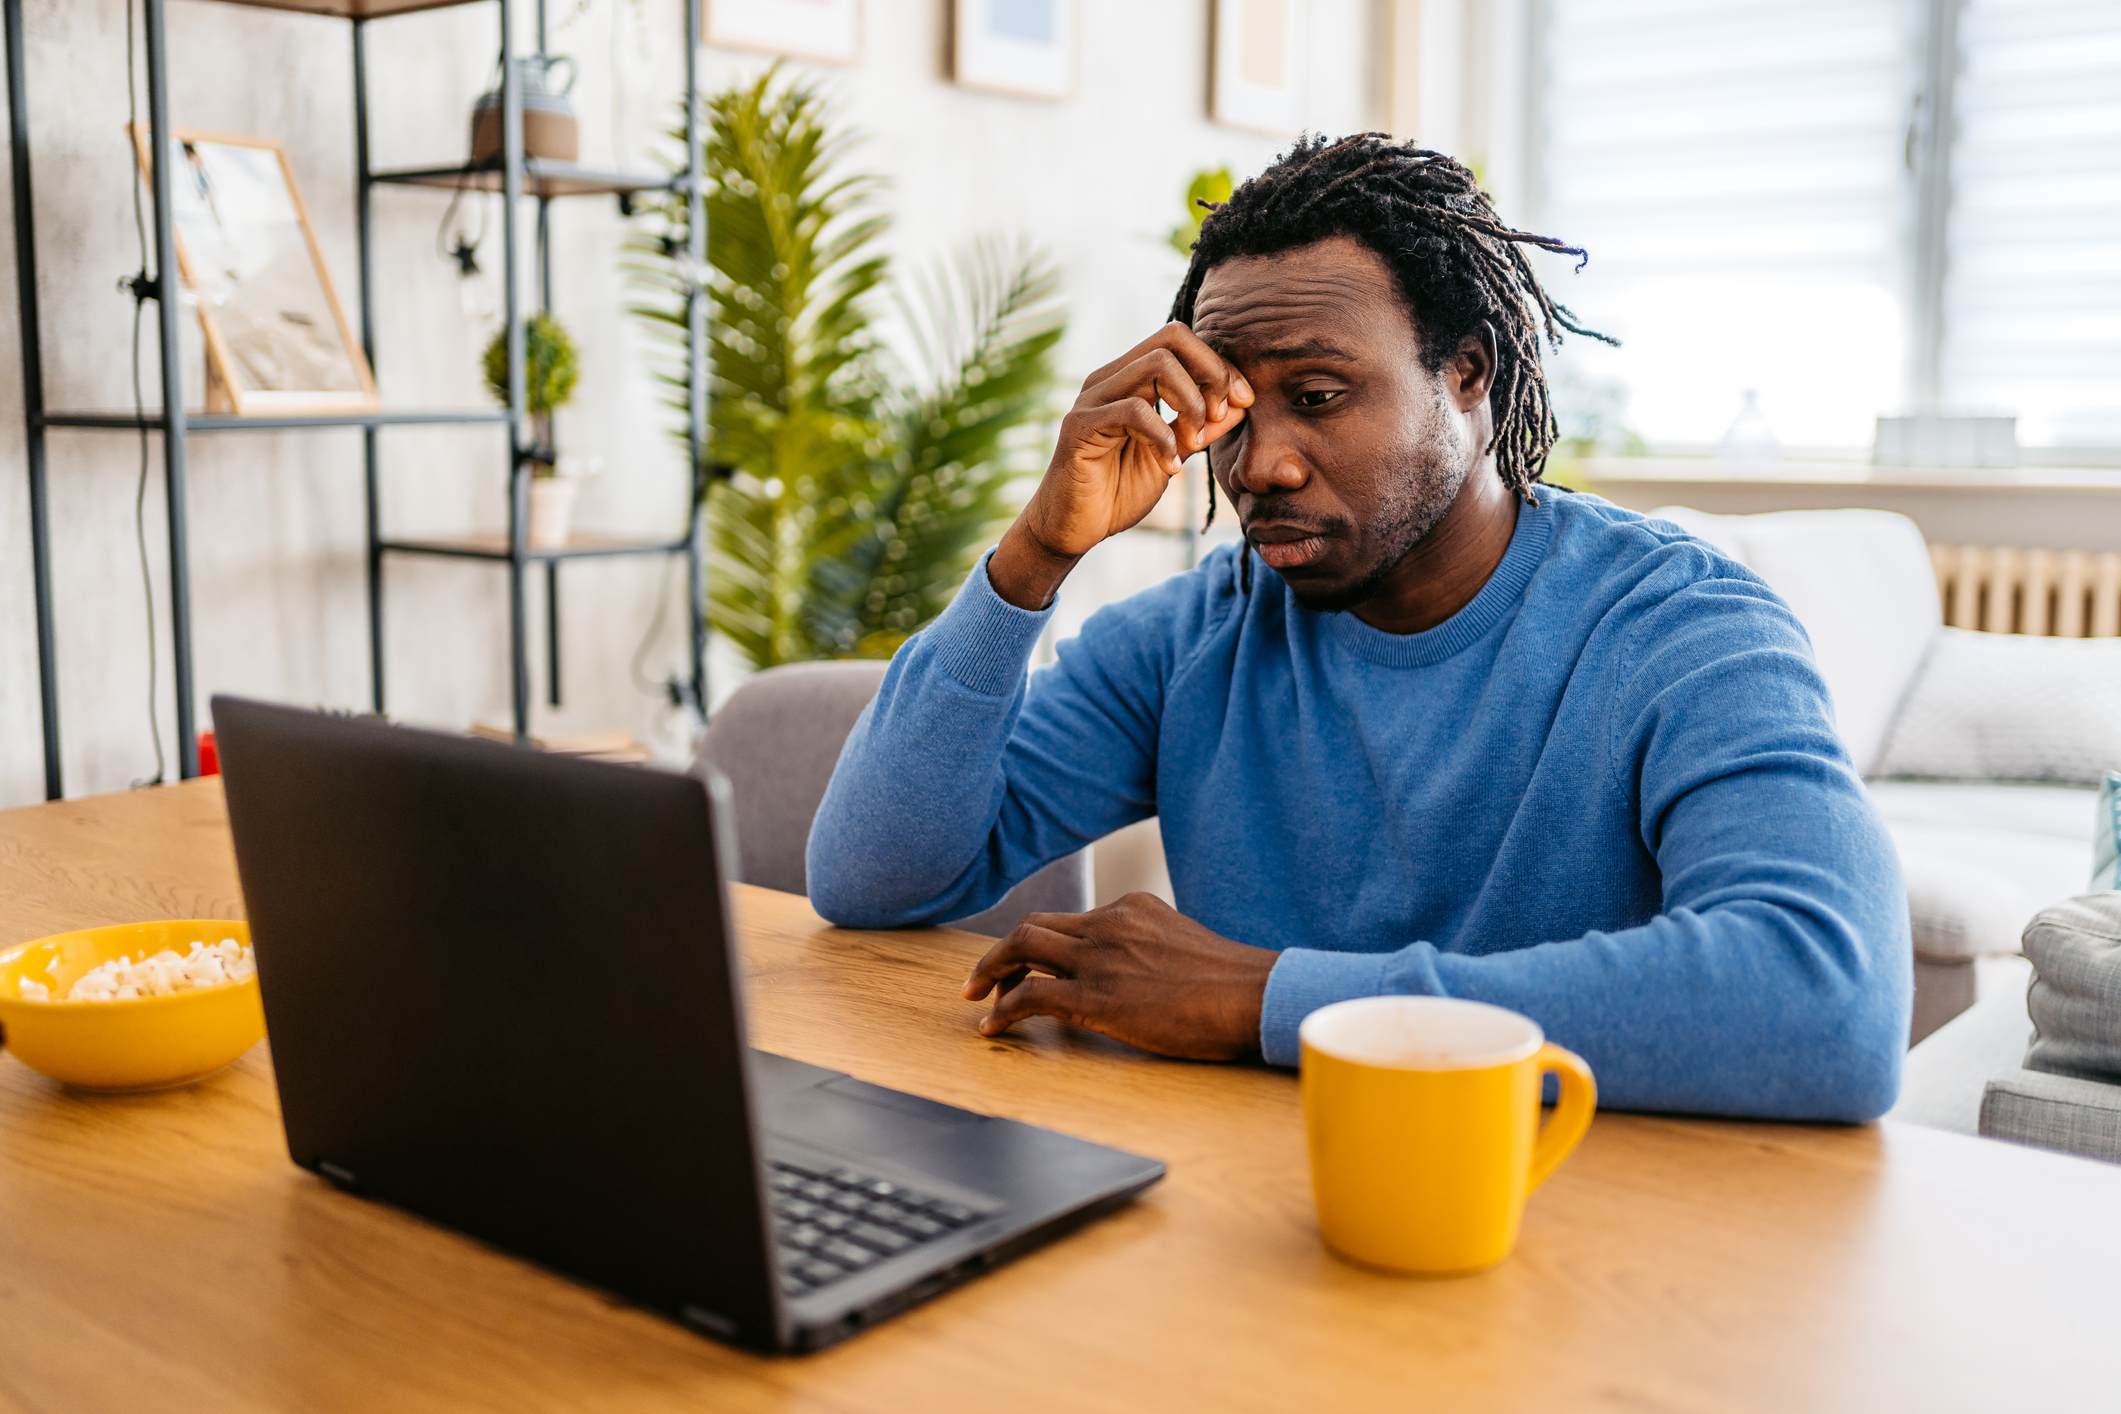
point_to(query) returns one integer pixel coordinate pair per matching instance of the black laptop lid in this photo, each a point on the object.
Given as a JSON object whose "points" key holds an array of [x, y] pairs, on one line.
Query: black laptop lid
{"points": [[498, 994]]}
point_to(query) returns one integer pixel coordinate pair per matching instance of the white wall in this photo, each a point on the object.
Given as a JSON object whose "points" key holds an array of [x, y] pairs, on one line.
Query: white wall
{"points": [[1467, 74], [277, 561]]}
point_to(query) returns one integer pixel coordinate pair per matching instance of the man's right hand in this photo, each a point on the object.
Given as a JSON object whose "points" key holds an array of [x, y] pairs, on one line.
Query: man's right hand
{"points": [[1116, 455]]}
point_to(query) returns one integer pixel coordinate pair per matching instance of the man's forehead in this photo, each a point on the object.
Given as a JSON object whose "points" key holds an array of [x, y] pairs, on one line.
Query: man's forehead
{"points": [[1316, 301]]}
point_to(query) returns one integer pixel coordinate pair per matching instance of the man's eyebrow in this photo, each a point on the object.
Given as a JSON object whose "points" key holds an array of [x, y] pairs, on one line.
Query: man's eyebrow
{"points": [[1309, 348]]}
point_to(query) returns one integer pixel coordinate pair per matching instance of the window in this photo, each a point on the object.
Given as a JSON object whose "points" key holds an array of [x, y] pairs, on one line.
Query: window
{"points": [[1757, 184], [2031, 297]]}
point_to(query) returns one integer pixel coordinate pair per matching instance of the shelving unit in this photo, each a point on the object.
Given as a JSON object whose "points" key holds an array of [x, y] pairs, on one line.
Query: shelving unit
{"points": [[517, 179], [546, 180]]}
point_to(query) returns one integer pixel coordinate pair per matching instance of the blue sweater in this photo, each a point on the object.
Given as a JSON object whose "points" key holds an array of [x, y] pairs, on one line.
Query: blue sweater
{"points": [[1608, 794]]}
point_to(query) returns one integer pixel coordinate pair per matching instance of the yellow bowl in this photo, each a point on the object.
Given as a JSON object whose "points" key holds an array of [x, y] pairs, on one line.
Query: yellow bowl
{"points": [[148, 1043]]}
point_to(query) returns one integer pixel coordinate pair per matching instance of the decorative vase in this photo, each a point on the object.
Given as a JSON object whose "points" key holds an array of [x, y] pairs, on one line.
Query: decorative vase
{"points": [[549, 128], [551, 507]]}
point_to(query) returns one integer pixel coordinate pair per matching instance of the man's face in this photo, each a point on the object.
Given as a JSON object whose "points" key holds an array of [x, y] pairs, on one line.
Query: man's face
{"points": [[1353, 450]]}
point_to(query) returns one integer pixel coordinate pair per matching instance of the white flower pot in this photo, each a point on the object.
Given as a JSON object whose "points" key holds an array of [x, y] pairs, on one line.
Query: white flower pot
{"points": [[551, 507]]}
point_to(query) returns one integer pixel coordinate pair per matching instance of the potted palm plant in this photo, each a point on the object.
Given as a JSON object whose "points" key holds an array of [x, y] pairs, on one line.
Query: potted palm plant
{"points": [[549, 373], [871, 434]]}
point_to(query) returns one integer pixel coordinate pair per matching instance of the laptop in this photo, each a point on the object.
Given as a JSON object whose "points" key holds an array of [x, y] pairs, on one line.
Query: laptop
{"points": [[502, 994]]}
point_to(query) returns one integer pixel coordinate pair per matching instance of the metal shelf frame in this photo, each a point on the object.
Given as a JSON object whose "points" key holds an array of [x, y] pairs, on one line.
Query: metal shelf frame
{"points": [[548, 179], [228, 422], [516, 178]]}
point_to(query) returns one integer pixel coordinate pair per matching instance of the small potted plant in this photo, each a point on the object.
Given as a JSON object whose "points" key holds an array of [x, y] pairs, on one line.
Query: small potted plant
{"points": [[549, 373]]}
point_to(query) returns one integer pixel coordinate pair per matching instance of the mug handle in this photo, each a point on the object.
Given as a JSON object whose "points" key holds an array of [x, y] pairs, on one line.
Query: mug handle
{"points": [[1572, 1117]]}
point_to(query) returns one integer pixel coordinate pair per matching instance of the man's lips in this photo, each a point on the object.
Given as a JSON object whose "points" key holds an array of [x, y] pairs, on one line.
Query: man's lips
{"points": [[1286, 546]]}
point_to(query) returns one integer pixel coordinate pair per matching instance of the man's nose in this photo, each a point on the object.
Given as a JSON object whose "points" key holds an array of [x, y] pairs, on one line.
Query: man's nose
{"points": [[1266, 463]]}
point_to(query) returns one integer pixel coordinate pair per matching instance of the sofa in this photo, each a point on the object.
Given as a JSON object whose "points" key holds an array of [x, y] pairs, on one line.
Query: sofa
{"points": [[1983, 751]]}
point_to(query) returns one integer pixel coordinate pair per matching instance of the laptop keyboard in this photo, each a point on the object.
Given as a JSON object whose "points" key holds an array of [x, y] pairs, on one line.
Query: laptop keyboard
{"points": [[831, 1222]]}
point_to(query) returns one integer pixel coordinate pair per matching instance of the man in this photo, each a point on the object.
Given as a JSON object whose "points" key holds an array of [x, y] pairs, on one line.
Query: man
{"points": [[1471, 737]]}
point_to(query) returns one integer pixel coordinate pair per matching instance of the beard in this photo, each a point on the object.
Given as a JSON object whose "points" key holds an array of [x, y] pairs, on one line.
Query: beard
{"points": [[1421, 494]]}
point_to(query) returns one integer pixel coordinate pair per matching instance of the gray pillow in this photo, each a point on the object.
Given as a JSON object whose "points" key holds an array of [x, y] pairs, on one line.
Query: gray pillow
{"points": [[2005, 707], [2054, 1112], [2075, 998]]}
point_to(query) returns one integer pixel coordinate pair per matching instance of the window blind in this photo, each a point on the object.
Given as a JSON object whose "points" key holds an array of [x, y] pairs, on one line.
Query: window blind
{"points": [[2032, 287], [1735, 169]]}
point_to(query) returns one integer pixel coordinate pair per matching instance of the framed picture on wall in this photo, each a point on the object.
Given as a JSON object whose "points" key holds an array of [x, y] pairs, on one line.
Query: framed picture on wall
{"points": [[1256, 67], [277, 340], [830, 30], [1023, 47]]}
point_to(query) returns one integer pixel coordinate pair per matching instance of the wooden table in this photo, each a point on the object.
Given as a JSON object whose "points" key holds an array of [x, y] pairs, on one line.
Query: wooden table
{"points": [[160, 1253]]}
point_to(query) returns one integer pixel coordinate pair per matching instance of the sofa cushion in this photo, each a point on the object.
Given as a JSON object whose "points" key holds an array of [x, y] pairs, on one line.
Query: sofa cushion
{"points": [[1958, 912], [2036, 837], [1980, 860], [2075, 997], [2005, 707], [1862, 585], [2053, 812], [2054, 1112]]}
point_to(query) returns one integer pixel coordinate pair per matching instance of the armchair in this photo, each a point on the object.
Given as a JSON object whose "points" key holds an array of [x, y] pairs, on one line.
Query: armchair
{"points": [[776, 741]]}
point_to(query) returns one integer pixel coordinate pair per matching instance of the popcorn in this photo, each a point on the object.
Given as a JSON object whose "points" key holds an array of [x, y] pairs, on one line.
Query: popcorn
{"points": [[164, 974]]}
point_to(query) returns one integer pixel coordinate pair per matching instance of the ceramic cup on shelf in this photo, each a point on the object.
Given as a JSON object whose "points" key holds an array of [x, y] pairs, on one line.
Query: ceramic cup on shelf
{"points": [[1423, 1118], [551, 509]]}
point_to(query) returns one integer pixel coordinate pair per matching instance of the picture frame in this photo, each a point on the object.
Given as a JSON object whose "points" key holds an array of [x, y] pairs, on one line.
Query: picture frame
{"points": [[829, 31], [1020, 47], [1257, 63], [277, 339]]}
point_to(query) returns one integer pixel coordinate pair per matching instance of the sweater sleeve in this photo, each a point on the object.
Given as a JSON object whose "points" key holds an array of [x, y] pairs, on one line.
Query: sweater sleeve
{"points": [[963, 778], [1776, 980]]}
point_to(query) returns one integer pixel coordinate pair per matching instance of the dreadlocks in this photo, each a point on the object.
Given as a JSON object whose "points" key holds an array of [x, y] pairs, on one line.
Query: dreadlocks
{"points": [[1453, 260]]}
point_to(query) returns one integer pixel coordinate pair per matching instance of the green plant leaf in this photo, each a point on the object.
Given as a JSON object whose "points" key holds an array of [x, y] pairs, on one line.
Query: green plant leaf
{"points": [[550, 364], [1210, 186], [969, 420], [859, 491]]}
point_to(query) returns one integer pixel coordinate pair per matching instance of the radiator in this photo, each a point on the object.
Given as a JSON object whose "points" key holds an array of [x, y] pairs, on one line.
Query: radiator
{"points": [[2050, 593]]}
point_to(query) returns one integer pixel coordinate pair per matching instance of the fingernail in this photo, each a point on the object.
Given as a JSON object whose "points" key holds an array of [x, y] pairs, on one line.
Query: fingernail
{"points": [[1242, 388]]}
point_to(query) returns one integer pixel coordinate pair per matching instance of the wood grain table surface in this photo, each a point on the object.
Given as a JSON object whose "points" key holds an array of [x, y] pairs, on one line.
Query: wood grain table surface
{"points": [[160, 1253]]}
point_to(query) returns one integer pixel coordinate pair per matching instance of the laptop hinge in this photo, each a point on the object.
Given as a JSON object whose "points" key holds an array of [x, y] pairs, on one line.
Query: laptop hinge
{"points": [[341, 1176]]}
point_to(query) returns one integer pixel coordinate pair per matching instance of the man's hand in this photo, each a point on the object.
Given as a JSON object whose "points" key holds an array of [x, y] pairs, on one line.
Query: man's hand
{"points": [[1115, 456], [1137, 970]]}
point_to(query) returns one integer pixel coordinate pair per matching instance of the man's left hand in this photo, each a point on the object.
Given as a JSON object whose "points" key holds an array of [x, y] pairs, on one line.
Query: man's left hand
{"points": [[1137, 970]]}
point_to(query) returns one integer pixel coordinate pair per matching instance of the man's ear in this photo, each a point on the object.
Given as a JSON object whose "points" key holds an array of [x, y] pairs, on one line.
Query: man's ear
{"points": [[1472, 367]]}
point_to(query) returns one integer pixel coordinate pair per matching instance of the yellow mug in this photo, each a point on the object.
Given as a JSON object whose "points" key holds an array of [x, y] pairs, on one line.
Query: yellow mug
{"points": [[1423, 1114]]}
